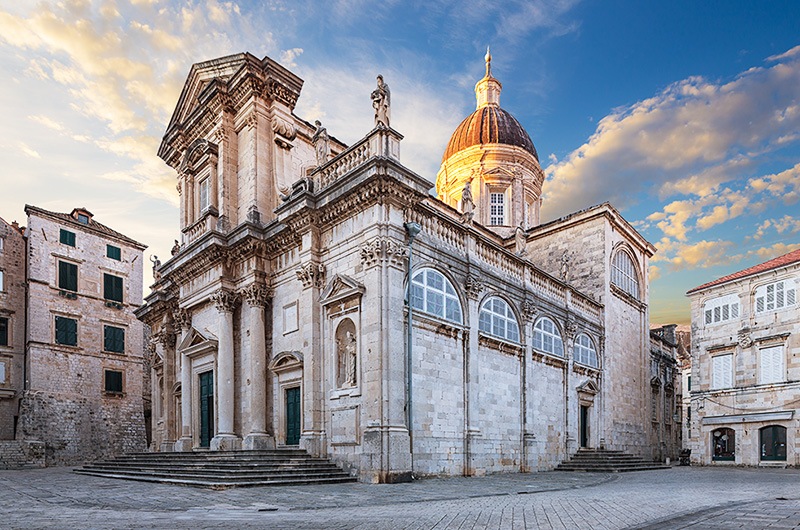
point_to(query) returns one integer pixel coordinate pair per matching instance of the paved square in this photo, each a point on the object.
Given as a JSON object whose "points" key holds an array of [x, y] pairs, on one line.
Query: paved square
{"points": [[675, 498]]}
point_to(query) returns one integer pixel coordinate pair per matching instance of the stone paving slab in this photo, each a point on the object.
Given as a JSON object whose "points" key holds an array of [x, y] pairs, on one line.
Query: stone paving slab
{"points": [[675, 498]]}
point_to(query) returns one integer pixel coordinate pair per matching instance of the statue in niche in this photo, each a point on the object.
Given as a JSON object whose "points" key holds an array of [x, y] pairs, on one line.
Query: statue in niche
{"points": [[346, 352], [321, 142], [520, 241], [381, 102], [467, 205]]}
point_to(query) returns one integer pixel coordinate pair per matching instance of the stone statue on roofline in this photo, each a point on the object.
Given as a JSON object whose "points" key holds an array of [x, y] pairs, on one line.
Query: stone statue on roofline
{"points": [[467, 205], [381, 102], [321, 142], [520, 241]]}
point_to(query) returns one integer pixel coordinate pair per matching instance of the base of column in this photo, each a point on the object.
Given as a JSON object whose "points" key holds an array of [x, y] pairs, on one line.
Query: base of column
{"points": [[256, 441], [167, 447], [226, 442], [183, 445], [379, 468], [314, 442]]}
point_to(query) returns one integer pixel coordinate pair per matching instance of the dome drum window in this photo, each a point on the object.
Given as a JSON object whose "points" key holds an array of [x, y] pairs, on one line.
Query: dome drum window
{"points": [[433, 294], [497, 319], [547, 338]]}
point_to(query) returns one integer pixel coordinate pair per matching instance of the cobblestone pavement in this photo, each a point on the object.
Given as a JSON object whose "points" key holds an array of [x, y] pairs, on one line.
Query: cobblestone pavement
{"points": [[692, 498]]}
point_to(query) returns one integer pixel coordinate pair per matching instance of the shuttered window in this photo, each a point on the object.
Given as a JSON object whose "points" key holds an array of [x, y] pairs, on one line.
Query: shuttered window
{"points": [[113, 383], [722, 368], [770, 365], [68, 276], [3, 331], [775, 296], [114, 252], [721, 309], [112, 287], [66, 237], [113, 339], [66, 331]]}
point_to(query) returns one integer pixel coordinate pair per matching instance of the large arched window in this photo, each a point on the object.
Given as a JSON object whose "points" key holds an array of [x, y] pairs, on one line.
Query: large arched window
{"points": [[723, 444], [584, 351], [773, 442], [546, 337], [432, 293], [624, 275], [498, 319]]}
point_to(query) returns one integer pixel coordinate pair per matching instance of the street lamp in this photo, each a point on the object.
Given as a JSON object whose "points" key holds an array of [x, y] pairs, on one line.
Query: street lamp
{"points": [[413, 230]]}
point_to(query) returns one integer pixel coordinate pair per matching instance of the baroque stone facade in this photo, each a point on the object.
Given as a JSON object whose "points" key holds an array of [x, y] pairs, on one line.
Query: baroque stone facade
{"points": [[746, 366], [282, 318], [83, 395], [666, 391]]}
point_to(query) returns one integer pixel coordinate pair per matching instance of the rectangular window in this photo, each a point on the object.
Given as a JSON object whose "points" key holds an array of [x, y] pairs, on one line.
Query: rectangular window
{"points": [[203, 191], [112, 287], [3, 373], [689, 383], [67, 237], [2, 240], [770, 365], [3, 331], [113, 339], [722, 367], [68, 276], [775, 296], [2, 285], [114, 252], [113, 381], [66, 331], [497, 214]]}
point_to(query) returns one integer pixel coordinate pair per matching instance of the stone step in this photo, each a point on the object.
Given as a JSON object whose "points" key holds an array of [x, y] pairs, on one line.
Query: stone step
{"points": [[221, 469], [603, 461]]}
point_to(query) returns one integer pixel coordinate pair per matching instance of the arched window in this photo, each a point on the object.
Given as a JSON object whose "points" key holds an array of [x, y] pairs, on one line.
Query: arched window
{"points": [[773, 442], [584, 350], [723, 444], [498, 319], [432, 293], [546, 337], [624, 275]]}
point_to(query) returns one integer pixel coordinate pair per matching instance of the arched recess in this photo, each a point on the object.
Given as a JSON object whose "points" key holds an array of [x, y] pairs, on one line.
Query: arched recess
{"points": [[498, 319], [547, 337], [772, 441], [434, 294], [723, 444], [625, 273]]}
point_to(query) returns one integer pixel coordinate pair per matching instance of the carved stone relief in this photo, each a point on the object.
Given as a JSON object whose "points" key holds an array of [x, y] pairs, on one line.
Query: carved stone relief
{"points": [[474, 286], [224, 300], [311, 274]]}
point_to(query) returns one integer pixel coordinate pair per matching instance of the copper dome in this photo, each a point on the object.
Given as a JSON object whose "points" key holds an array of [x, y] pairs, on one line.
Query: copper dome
{"points": [[489, 125]]}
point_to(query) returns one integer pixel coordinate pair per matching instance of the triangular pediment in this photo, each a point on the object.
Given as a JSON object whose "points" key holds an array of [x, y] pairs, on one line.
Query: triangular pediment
{"points": [[341, 288], [197, 340], [588, 387]]}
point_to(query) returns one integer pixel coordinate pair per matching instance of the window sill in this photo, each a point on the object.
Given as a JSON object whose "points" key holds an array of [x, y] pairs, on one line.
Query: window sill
{"points": [[502, 345], [549, 358]]}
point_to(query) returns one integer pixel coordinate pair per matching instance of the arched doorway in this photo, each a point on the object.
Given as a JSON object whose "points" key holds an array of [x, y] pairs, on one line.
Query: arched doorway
{"points": [[773, 443]]}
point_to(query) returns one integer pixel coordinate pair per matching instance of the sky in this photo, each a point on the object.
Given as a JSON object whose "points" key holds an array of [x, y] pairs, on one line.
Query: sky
{"points": [[684, 115]]}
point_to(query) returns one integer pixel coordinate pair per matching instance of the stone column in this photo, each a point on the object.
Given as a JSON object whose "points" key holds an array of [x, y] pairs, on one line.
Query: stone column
{"points": [[571, 398], [225, 439], [166, 342], [257, 437], [183, 321], [473, 463]]}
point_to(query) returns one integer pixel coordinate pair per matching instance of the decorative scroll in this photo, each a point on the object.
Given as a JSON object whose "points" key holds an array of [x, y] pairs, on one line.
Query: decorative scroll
{"points": [[311, 274]]}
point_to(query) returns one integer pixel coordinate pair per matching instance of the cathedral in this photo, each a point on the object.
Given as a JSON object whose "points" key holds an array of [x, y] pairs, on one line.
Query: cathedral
{"points": [[321, 296]]}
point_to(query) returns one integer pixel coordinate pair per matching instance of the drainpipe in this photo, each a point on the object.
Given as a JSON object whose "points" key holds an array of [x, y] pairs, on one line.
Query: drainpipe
{"points": [[412, 229]]}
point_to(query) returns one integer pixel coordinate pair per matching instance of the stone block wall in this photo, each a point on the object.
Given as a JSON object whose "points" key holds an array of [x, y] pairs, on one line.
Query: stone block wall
{"points": [[12, 307], [18, 454]]}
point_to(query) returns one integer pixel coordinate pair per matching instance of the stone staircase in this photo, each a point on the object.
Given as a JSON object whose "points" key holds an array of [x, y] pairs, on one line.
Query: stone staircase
{"points": [[603, 461], [221, 469]]}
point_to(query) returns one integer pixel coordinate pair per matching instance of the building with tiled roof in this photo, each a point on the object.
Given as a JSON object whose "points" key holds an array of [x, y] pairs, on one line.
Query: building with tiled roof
{"points": [[745, 369]]}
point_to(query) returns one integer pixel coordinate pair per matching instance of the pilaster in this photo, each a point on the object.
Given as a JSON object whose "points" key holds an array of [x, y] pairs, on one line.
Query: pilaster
{"points": [[225, 438]]}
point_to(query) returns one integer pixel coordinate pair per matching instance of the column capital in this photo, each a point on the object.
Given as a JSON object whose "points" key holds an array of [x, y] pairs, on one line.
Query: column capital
{"points": [[256, 294], [225, 300], [182, 318]]}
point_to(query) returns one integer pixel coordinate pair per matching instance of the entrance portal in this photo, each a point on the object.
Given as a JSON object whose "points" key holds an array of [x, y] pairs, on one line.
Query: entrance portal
{"points": [[584, 426], [206, 408], [293, 416]]}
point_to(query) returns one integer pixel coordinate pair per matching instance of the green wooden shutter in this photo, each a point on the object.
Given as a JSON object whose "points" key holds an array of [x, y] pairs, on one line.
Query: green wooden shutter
{"points": [[114, 252], [113, 381], [67, 237], [67, 276], [3, 331], [66, 331], [113, 339]]}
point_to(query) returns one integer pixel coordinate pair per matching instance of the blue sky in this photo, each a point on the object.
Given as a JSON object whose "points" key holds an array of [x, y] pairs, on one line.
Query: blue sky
{"points": [[684, 115]]}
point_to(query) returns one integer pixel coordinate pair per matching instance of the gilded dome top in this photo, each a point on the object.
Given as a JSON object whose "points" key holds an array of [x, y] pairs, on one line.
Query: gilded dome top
{"points": [[489, 124]]}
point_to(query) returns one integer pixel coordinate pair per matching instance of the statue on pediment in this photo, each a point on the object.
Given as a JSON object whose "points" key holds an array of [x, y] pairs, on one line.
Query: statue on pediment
{"points": [[381, 102]]}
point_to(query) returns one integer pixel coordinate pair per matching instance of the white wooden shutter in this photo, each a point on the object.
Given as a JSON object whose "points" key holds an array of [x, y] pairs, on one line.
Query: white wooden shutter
{"points": [[771, 365], [722, 375]]}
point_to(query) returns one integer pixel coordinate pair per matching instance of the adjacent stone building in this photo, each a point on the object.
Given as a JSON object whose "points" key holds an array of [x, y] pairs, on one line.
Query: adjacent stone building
{"points": [[746, 366], [83, 365], [666, 410], [282, 318], [12, 326]]}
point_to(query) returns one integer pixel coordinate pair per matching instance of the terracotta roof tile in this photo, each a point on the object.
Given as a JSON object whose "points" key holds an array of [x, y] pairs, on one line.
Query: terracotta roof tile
{"points": [[775, 263]]}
